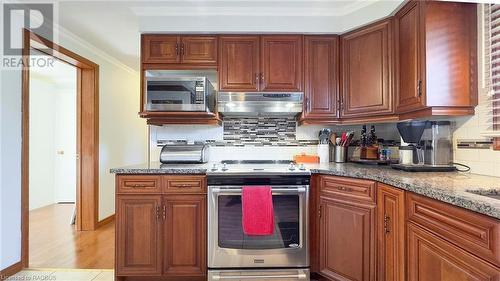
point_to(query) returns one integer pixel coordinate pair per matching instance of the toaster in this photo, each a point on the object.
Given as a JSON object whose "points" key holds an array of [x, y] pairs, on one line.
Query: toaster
{"points": [[184, 153]]}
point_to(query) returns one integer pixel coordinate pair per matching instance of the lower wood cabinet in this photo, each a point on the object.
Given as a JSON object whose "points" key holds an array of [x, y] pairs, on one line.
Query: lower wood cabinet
{"points": [[432, 258], [346, 236], [184, 228], [138, 230], [390, 233], [161, 235]]}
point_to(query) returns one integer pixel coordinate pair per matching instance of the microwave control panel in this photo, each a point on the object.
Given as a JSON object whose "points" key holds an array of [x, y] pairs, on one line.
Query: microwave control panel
{"points": [[200, 92]]}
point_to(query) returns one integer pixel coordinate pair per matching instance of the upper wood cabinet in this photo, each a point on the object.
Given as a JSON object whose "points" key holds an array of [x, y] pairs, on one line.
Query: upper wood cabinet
{"points": [[366, 68], [436, 58], [239, 63], [281, 62], [320, 78], [138, 229], [176, 49], [160, 48], [260, 63], [390, 233], [199, 49]]}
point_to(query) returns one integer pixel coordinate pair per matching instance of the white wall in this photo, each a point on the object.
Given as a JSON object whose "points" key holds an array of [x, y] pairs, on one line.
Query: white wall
{"points": [[42, 142], [52, 135], [122, 139]]}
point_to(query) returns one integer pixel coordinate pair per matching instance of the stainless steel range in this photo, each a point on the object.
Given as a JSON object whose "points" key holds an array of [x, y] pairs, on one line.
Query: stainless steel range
{"points": [[232, 255]]}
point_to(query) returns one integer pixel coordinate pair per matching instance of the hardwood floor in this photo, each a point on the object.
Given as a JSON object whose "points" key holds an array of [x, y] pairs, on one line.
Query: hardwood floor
{"points": [[54, 243]]}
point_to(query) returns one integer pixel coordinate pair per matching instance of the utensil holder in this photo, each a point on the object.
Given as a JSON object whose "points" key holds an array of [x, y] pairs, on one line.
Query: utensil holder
{"points": [[323, 153], [340, 154]]}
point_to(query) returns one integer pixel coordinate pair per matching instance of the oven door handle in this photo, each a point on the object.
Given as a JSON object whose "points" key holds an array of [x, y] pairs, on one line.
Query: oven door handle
{"points": [[299, 276], [295, 190]]}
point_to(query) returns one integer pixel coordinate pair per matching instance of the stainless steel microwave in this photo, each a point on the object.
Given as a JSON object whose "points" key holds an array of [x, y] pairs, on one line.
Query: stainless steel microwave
{"points": [[165, 92]]}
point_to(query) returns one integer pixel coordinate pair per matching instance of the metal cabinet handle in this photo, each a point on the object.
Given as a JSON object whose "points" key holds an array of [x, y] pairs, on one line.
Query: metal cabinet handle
{"points": [[177, 49], [164, 212], [419, 88], [157, 212], [343, 188], [138, 185], [262, 78], [182, 48], [387, 221], [256, 78], [184, 185]]}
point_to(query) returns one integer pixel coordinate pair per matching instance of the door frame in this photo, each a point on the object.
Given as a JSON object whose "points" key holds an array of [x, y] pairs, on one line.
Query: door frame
{"points": [[87, 184]]}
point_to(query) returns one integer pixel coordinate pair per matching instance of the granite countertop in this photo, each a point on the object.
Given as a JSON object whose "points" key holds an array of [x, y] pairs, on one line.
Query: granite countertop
{"points": [[460, 189]]}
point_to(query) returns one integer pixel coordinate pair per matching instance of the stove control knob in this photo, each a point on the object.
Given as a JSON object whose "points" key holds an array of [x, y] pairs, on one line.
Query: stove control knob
{"points": [[302, 167], [214, 167], [291, 167], [224, 167]]}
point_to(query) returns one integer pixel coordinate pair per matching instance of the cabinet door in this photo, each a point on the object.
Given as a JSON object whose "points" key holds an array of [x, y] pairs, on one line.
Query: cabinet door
{"points": [[281, 61], [347, 240], [431, 258], [366, 71], [321, 77], [410, 91], [239, 63], [391, 233], [185, 235], [138, 247], [199, 49], [160, 49]]}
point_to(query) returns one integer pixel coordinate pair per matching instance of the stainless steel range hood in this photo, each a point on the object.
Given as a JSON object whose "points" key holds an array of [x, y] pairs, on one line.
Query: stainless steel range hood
{"points": [[260, 104]]}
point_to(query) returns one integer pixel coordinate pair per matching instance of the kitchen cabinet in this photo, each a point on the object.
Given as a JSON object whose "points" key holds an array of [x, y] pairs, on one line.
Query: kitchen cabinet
{"points": [[281, 62], [185, 235], [432, 258], [239, 69], [320, 78], [260, 63], [472, 232], [138, 230], [366, 69], [390, 233], [346, 229], [177, 49], [436, 59], [161, 226]]}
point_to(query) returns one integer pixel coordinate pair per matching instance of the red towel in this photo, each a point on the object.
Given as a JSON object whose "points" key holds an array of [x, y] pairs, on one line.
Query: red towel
{"points": [[257, 213]]}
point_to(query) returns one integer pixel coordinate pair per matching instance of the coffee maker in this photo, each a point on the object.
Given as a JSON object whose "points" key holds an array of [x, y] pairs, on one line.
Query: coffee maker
{"points": [[429, 146]]}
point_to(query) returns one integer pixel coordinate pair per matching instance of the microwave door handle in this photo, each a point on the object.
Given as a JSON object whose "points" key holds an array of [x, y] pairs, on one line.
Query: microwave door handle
{"points": [[238, 190]]}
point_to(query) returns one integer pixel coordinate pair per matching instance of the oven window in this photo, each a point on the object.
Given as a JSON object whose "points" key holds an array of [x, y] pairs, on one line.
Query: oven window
{"points": [[286, 224]]}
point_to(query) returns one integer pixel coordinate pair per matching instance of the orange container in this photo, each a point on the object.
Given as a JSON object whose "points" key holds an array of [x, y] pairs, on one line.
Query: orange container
{"points": [[304, 158]]}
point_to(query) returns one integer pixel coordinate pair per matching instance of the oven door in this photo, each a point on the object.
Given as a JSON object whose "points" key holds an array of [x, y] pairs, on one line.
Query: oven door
{"points": [[175, 94], [229, 247]]}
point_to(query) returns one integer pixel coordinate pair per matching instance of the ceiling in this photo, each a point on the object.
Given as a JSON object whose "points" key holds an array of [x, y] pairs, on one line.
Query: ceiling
{"points": [[115, 26]]}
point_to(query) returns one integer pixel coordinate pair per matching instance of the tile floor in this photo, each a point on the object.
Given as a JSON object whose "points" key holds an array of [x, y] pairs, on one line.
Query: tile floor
{"points": [[64, 275]]}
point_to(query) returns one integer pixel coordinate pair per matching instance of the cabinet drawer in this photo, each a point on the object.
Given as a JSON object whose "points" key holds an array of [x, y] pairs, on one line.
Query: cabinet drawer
{"points": [[138, 184], [349, 188], [473, 232], [184, 184]]}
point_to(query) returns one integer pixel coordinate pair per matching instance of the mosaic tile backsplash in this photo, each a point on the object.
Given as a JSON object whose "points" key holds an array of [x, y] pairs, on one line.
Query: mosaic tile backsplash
{"points": [[260, 131]]}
